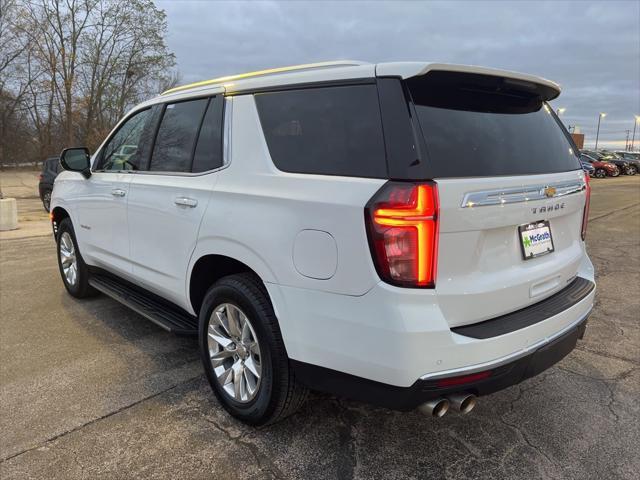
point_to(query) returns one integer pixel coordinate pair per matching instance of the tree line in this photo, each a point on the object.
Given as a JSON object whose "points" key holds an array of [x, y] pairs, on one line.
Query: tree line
{"points": [[70, 69]]}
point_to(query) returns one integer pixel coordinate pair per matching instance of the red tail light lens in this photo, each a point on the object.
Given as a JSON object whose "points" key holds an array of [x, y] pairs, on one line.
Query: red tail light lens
{"points": [[402, 224], [585, 214], [454, 381]]}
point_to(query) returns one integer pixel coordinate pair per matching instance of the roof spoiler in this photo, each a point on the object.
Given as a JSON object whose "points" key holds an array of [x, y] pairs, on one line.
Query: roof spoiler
{"points": [[546, 89]]}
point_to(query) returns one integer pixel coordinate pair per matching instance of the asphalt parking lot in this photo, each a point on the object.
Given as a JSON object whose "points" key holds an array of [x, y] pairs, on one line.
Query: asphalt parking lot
{"points": [[90, 389]]}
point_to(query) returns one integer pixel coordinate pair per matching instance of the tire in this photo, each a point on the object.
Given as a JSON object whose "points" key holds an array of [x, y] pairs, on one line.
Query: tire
{"points": [[276, 393], [46, 200], [632, 170], [600, 173], [73, 270], [616, 173]]}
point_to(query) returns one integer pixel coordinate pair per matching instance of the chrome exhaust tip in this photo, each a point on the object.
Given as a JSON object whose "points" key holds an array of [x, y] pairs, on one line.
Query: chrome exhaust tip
{"points": [[463, 403], [435, 408]]}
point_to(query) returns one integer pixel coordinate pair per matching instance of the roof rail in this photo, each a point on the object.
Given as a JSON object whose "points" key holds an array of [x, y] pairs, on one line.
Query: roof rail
{"points": [[262, 73]]}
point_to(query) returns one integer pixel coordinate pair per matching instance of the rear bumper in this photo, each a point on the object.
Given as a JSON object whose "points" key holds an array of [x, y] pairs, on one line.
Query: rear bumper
{"points": [[494, 377]]}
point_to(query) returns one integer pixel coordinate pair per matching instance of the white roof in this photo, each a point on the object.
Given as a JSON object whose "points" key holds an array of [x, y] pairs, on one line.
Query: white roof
{"points": [[337, 70]]}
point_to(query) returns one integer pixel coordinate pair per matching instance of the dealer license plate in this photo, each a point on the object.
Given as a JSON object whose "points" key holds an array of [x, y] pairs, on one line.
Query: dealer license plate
{"points": [[535, 239]]}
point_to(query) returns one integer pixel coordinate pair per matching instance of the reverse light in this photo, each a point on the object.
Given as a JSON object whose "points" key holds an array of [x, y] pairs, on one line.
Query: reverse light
{"points": [[402, 224], [585, 214]]}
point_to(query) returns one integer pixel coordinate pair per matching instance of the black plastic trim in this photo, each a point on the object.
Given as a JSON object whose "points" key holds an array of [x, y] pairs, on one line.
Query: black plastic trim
{"points": [[161, 312], [573, 293], [408, 398], [305, 85]]}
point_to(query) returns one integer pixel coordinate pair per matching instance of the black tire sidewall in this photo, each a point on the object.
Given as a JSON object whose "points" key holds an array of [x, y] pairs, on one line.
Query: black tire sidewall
{"points": [[81, 288], [260, 407], [45, 204]]}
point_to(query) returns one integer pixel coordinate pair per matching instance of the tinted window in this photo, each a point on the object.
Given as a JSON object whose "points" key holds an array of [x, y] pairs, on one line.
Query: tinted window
{"points": [[478, 128], [122, 151], [332, 131], [208, 154], [177, 135]]}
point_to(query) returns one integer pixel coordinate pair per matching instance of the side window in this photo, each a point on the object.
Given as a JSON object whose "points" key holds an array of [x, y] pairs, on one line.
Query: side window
{"points": [[326, 131], [121, 152], [177, 135], [208, 153]]}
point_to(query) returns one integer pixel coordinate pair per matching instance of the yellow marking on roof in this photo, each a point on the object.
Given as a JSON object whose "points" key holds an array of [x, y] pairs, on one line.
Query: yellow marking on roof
{"points": [[257, 73]]}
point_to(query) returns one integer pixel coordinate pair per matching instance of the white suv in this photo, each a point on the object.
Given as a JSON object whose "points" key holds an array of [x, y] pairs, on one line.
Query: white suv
{"points": [[405, 234]]}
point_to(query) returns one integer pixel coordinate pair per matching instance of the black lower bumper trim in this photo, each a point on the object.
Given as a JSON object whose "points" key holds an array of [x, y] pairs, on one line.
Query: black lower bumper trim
{"points": [[557, 303], [408, 398]]}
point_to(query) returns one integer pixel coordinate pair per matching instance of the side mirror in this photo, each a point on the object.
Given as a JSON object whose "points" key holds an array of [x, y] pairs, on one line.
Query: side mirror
{"points": [[76, 159]]}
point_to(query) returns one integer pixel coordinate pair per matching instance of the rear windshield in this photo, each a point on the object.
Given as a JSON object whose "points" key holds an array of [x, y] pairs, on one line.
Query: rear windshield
{"points": [[484, 127]]}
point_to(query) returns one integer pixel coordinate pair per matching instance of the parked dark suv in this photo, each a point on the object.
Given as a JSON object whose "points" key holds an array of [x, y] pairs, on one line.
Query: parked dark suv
{"points": [[632, 157], [50, 169]]}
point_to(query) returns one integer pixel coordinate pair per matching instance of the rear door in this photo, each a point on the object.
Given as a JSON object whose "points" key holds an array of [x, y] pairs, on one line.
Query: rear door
{"points": [[168, 200], [511, 190]]}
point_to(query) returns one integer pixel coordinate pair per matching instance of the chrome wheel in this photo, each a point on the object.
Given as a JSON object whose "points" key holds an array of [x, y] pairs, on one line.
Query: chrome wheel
{"points": [[68, 259], [234, 352]]}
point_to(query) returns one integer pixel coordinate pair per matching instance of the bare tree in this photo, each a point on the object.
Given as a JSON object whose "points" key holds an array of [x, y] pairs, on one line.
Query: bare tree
{"points": [[73, 67]]}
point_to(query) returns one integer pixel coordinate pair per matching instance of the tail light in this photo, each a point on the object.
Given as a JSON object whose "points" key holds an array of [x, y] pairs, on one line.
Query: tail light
{"points": [[402, 224], [585, 214]]}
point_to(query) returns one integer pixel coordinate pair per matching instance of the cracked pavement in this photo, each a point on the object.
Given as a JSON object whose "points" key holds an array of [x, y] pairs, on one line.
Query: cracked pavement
{"points": [[89, 389]]}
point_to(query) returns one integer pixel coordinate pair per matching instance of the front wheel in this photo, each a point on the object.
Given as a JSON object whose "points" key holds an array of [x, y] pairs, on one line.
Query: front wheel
{"points": [[600, 173], [73, 270], [615, 173], [243, 353]]}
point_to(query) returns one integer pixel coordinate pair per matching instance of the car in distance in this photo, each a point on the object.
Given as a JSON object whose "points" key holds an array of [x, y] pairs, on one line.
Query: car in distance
{"points": [[50, 170], [602, 168], [610, 157], [632, 157], [587, 167], [366, 230]]}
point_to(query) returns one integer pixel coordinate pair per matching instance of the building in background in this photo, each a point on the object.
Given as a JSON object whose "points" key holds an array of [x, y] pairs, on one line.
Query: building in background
{"points": [[578, 138]]}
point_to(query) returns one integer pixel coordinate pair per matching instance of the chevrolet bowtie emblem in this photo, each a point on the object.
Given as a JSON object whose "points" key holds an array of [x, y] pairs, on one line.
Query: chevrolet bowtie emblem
{"points": [[549, 191]]}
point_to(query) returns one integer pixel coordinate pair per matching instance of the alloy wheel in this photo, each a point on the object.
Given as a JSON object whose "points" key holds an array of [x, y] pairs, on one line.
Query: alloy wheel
{"points": [[68, 259], [46, 200], [234, 352]]}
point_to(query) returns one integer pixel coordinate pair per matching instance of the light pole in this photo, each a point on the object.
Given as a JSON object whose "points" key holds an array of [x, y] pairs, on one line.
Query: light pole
{"points": [[633, 138], [560, 111], [600, 117]]}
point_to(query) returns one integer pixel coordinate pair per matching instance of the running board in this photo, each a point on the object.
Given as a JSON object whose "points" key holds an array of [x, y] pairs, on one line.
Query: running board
{"points": [[165, 316]]}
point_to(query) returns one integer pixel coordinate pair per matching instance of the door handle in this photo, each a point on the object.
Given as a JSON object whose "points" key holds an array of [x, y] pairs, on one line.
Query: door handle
{"points": [[117, 192], [186, 202]]}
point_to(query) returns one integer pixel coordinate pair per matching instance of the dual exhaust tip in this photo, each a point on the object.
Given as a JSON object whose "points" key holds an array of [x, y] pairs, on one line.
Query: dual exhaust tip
{"points": [[438, 407]]}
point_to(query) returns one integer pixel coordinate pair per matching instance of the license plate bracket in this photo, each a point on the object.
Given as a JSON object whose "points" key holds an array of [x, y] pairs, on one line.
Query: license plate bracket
{"points": [[535, 239]]}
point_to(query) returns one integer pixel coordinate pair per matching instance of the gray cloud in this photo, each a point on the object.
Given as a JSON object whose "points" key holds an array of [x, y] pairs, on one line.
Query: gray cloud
{"points": [[591, 49]]}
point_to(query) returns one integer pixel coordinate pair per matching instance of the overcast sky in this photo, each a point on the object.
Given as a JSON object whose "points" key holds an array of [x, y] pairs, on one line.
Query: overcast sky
{"points": [[591, 48]]}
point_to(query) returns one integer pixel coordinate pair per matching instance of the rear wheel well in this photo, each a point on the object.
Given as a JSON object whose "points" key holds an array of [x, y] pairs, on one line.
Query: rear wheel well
{"points": [[208, 270], [57, 215]]}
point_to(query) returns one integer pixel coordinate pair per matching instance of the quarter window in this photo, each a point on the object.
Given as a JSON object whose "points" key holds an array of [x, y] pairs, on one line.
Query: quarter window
{"points": [[328, 130]]}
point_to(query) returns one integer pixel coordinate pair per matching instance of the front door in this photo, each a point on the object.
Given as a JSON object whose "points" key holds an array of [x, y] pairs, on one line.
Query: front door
{"points": [[102, 199]]}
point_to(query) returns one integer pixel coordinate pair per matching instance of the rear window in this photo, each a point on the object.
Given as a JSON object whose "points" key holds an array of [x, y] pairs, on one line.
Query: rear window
{"points": [[484, 126], [177, 136], [328, 130]]}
